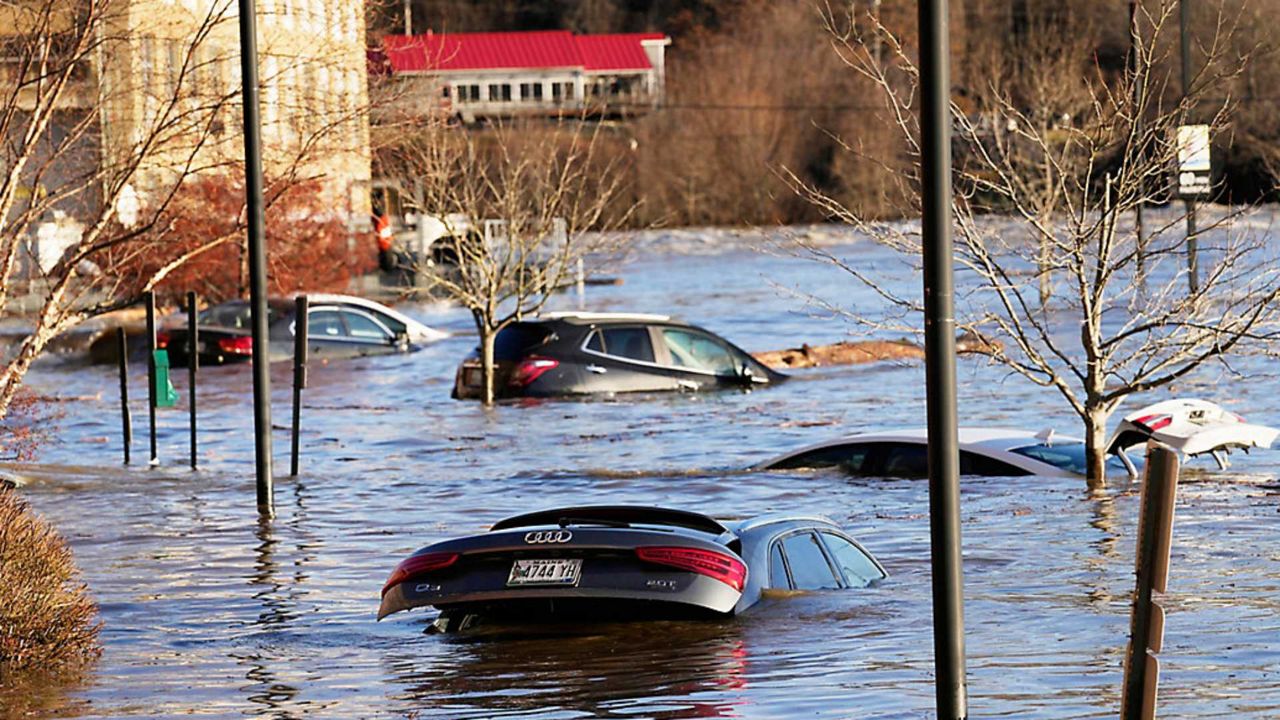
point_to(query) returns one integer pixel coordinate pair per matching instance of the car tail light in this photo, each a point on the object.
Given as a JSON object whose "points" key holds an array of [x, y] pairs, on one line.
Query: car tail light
{"points": [[238, 345], [417, 566], [530, 369], [1154, 422], [719, 566], [162, 339]]}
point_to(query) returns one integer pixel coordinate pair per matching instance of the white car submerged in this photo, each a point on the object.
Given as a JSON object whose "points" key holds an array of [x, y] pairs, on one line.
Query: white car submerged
{"points": [[1191, 427]]}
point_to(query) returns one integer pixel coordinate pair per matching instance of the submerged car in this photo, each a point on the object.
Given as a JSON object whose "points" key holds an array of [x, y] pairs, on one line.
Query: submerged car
{"points": [[1191, 427], [338, 326], [623, 562], [559, 354]]}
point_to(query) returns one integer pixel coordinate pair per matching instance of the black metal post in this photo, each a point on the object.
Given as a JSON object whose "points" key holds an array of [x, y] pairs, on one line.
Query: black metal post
{"points": [[193, 363], [299, 377], [1193, 270], [151, 372], [126, 420], [940, 362], [257, 254]]}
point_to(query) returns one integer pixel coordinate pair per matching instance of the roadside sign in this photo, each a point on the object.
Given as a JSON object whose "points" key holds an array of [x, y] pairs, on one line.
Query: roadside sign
{"points": [[166, 394], [1195, 177]]}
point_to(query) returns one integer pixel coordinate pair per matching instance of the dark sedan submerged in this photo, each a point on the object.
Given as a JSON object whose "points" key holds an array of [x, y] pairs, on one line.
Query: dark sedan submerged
{"points": [[581, 353], [623, 562], [338, 326]]}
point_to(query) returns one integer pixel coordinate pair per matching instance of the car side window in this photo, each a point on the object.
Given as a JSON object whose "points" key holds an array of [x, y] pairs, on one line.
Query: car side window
{"points": [[975, 464], [594, 342], [906, 460], [778, 568], [858, 568], [325, 324], [849, 458], [809, 567], [363, 327], [631, 343], [697, 351]]}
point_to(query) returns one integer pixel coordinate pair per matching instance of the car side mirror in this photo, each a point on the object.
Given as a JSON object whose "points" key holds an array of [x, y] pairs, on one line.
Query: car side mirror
{"points": [[401, 340]]}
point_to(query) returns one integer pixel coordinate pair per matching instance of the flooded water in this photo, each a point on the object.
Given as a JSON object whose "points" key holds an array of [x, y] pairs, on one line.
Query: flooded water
{"points": [[211, 612]]}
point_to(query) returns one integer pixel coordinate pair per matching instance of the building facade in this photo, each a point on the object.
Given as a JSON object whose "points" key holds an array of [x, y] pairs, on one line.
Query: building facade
{"points": [[170, 74], [474, 76]]}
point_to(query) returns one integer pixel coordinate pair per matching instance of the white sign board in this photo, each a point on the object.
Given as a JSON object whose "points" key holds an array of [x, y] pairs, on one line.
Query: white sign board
{"points": [[1194, 161]]}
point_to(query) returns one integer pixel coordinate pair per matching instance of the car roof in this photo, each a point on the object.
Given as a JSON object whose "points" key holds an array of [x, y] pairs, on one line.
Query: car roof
{"points": [[579, 318], [755, 523], [969, 437], [622, 514]]}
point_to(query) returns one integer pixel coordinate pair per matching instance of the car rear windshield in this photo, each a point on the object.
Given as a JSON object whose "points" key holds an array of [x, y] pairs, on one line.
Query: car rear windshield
{"points": [[234, 315], [515, 341]]}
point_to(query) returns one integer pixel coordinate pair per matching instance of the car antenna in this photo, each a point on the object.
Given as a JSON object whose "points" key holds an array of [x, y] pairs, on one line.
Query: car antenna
{"points": [[1046, 436]]}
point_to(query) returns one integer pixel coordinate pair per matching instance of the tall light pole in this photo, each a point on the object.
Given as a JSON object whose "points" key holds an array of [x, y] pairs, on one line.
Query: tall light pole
{"points": [[1193, 271], [257, 255], [940, 362]]}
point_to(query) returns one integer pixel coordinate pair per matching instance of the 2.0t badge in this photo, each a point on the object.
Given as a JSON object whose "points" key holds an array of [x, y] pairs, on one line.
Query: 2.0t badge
{"points": [[546, 537]]}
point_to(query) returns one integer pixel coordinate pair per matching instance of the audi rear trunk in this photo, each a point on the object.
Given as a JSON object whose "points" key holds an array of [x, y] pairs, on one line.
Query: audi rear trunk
{"points": [[602, 563]]}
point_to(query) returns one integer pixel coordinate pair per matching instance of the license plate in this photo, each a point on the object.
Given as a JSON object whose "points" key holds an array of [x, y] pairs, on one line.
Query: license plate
{"points": [[472, 376], [545, 572]]}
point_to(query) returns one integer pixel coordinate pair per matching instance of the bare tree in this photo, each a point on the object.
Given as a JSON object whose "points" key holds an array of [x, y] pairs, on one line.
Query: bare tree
{"points": [[519, 210], [1117, 326], [108, 108]]}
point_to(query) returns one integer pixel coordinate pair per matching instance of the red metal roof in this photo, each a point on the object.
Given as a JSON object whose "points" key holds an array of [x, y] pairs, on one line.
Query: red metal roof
{"points": [[615, 52], [516, 50]]}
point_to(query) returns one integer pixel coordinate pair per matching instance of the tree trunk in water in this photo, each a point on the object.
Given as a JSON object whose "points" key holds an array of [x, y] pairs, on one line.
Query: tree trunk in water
{"points": [[1095, 448], [487, 337]]}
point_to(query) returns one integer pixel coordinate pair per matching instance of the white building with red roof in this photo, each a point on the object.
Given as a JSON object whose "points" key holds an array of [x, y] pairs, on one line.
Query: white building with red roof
{"points": [[476, 75]]}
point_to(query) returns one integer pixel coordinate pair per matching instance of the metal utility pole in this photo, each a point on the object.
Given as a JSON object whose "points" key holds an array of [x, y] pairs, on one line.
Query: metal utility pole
{"points": [[408, 22], [257, 254], [940, 362], [1193, 271], [150, 299], [1137, 77]]}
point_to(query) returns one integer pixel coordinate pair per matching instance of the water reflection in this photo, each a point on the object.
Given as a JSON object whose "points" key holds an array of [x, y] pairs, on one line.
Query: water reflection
{"points": [[598, 671]]}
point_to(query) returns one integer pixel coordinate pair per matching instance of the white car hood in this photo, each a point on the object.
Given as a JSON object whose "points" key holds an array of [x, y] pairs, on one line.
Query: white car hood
{"points": [[1191, 427]]}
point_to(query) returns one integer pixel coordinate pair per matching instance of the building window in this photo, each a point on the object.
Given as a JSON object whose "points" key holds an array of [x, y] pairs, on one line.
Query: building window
{"points": [[531, 91], [468, 93], [562, 92], [500, 92]]}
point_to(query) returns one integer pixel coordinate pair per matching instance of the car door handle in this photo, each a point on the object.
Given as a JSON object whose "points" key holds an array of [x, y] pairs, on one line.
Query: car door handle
{"points": [[596, 369]]}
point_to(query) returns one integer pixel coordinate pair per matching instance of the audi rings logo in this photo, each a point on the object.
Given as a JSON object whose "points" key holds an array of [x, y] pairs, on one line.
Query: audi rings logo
{"points": [[547, 537]]}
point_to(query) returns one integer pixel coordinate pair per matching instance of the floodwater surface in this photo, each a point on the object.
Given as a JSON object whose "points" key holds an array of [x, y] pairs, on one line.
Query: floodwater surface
{"points": [[210, 611]]}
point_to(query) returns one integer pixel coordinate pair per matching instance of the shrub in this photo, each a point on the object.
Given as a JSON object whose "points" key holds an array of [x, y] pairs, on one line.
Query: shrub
{"points": [[47, 620], [204, 225]]}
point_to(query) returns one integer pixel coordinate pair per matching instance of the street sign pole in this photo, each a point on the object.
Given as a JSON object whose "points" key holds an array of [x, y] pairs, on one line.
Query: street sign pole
{"points": [[940, 362], [257, 255], [1193, 271]]}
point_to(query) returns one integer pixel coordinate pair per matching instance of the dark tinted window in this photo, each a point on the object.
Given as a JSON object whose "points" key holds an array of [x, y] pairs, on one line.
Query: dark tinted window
{"points": [[395, 326], [516, 340], [850, 458], [594, 342], [777, 568], [905, 460], [699, 352], [363, 327], [975, 464], [631, 343], [325, 324], [859, 570], [809, 567]]}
